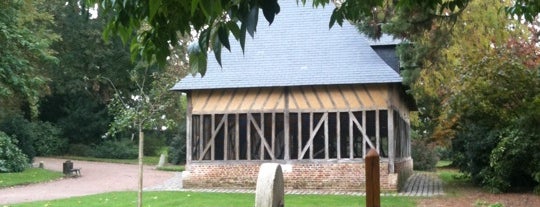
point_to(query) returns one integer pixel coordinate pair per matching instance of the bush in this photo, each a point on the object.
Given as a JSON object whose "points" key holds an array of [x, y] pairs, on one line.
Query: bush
{"points": [[153, 143], [177, 147], [47, 140], [444, 153], [80, 150], [21, 130], [424, 155], [34, 138], [123, 149], [12, 159]]}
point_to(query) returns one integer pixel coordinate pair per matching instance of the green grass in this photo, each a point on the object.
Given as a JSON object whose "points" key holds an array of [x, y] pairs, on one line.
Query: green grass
{"points": [[444, 164], [175, 168], [454, 181], [28, 176], [179, 199]]}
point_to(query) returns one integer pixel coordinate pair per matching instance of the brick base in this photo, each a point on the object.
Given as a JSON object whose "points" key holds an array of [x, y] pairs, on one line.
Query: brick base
{"points": [[319, 175]]}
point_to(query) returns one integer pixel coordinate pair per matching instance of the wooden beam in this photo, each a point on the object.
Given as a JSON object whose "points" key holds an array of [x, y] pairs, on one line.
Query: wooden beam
{"points": [[286, 128], [273, 144], [189, 129], [201, 136], [351, 134], [226, 140], [309, 144], [359, 127], [212, 140], [261, 148], [237, 136], [391, 140], [248, 136], [261, 134], [213, 137], [326, 148], [377, 131], [338, 135], [311, 134], [365, 138], [299, 136]]}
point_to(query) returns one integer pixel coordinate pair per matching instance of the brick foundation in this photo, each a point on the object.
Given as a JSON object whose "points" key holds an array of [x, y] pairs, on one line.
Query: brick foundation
{"points": [[320, 175]]}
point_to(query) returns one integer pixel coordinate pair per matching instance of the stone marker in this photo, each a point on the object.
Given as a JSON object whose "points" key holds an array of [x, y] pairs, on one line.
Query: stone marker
{"points": [[162, 159], [270, 192], [373, 185], [41, 165]]}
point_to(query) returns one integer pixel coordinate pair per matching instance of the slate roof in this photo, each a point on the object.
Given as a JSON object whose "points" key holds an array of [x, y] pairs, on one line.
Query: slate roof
{"points": [[297, 49]]}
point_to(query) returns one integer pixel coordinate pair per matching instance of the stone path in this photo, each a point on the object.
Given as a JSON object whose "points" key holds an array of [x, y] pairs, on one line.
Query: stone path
{"points": [[423, 184], [419, 184]]}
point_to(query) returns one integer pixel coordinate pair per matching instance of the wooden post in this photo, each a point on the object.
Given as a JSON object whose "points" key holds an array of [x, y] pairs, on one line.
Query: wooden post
{"points": [[237, 136], [189, 128], [286, 127], [364, 138], [338, 135], [391, 141], [373, 186]]}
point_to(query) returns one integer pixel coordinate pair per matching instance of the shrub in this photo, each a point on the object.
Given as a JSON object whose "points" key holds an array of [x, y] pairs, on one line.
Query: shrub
{"points": [[34, 138], [123, 149], [177, 147], [153, 143], [444, 153], [47, 140], [12, 159], [424, 155], [21, 130], [80, 150]]}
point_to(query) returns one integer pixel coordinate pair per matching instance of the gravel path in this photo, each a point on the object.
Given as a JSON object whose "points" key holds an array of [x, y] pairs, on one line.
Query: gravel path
{"points": [[97, 177]]}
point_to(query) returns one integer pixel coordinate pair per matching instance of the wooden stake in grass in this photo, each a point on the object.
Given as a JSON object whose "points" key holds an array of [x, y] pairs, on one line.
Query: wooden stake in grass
{"points": [[373, 185]]}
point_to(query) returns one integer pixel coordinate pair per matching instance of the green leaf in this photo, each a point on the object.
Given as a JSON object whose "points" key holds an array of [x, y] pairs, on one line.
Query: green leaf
{"points": [[217, 50], [332, 19], [153, 6], [223, 35], [252, 20], [197, 59], [235, 30], [243, 37], [204, 38], [194, 4], [202, 62], [270, 9]]}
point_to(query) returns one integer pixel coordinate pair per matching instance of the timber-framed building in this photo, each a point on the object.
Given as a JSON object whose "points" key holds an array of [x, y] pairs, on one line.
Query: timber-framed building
{"points": [[313, 99]]}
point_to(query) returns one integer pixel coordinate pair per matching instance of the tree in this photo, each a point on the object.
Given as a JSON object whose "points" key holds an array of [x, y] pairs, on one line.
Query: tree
{"points": [[475, 94], [25, 39], [78, 96], [152, 106], [214, 21]]}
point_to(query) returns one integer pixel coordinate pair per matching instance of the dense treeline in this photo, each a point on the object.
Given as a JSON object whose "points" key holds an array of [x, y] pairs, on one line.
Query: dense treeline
{"points": [[476, 80], [59, 79]]}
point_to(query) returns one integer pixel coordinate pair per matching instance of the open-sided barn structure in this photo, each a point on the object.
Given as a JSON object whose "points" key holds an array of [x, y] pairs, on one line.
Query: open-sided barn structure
{"points": [[308, 97]]}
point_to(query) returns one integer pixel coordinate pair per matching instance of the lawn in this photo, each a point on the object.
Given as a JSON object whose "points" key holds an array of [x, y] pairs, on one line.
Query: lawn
{"points": [[29, 176], [179, 199]]}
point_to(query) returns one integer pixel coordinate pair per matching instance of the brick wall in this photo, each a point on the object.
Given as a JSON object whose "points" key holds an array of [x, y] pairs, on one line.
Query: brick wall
{"points": [[337, 176]]}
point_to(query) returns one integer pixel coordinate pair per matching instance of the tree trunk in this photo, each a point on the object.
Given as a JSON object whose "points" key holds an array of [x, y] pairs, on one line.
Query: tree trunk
{"points": [[141, 145]]}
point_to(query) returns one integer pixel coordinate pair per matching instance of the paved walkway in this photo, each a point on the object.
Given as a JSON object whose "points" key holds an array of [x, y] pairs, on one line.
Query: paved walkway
{"points": [[419, 184], [423, 184], [97, 177]]}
